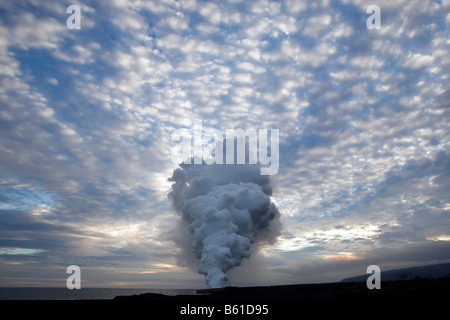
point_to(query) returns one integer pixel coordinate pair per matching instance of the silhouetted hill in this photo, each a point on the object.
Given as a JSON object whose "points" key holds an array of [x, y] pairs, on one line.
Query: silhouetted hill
{"points": [[429, 272]]}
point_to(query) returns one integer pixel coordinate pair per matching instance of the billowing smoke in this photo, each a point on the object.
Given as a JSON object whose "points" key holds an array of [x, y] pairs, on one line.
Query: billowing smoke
{"points": [[226, 208]]}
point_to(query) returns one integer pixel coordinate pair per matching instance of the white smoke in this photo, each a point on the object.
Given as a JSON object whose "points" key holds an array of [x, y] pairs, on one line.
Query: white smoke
{"points": [[227, 208]]}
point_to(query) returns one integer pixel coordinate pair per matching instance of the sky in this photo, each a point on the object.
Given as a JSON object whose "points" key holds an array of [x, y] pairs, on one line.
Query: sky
{"points": [[86, 117]]}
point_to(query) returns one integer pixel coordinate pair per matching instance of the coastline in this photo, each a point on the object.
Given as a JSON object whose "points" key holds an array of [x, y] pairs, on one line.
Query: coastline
{"points": [[418, 289], [266, 302]]}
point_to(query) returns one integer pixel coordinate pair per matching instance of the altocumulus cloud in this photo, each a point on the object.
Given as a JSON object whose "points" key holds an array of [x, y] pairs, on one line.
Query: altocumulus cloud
{"points": [[86, 118]]}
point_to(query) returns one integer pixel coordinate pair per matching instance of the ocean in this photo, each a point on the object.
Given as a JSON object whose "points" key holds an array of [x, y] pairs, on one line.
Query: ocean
{"points": [[81, 294]]}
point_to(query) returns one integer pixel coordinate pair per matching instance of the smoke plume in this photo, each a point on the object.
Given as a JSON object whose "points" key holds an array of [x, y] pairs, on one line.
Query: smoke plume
{"points": [[226, 208]]}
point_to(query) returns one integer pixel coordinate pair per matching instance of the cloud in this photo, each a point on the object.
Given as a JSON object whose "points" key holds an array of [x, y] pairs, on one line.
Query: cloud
{"points": [[346, 264], [226, 209]]}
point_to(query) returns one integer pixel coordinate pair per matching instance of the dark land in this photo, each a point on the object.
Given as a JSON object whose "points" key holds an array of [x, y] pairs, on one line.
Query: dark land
{"points": [[419, 296], [400, 291], [401, 296], [414, 291]]}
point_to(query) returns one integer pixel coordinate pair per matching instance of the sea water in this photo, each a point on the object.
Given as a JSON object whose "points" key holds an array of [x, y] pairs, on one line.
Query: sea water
{"points": [[81, 294]]}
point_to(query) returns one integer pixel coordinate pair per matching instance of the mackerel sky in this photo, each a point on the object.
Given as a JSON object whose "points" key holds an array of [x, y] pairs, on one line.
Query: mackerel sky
{"points": [[86, 117]]}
